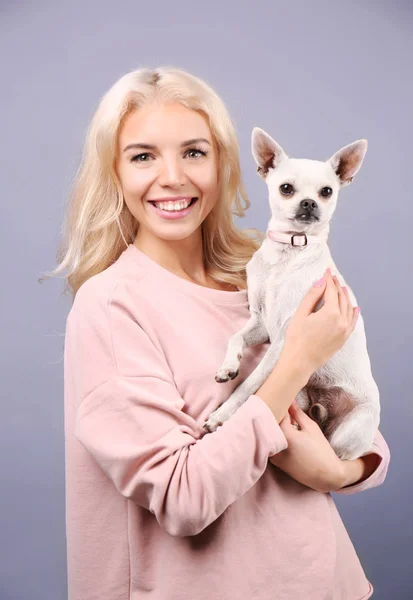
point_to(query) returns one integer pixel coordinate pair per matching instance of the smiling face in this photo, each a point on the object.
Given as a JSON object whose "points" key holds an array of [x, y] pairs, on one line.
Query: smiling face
{"points": [[167, 152]]}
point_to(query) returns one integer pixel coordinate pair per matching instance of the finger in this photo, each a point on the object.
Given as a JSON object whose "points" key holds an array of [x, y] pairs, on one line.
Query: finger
{"points": [[312, 298], [293, 422], [299, 415], [342, 298], [285, 424], [349, 306], [289, 424], [286, 419], [331, 293], [356, 312]]}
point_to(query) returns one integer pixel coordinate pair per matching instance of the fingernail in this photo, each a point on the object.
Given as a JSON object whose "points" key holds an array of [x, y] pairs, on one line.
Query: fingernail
{"points": [[320, 282]]}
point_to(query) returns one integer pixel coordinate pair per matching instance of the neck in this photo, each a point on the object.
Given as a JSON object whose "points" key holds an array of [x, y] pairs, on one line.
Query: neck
{"points": [[183, 257]]}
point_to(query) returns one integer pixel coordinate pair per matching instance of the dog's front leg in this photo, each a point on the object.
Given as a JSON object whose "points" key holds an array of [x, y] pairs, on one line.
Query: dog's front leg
{"points": [[248, 387], [254, 332]]}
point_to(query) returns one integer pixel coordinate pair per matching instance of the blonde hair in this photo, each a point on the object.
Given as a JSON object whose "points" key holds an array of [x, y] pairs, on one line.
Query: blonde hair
{"points": [[98, 225]]}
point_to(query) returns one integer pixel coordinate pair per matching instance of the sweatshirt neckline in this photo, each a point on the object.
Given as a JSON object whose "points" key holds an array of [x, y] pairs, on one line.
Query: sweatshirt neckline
{"points": [[218, 296]]}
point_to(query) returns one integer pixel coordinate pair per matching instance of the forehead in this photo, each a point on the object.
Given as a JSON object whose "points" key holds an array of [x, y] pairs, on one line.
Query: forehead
{"points": [[163, 124], [303, 171]]}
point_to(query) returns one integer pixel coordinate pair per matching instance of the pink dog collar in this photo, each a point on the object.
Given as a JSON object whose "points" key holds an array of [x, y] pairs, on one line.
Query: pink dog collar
{"points": [[288, 238]]}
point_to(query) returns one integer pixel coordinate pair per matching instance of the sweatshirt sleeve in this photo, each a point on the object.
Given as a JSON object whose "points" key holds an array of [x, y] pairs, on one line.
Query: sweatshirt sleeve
{"points": [[381, 449], [129, 417]]}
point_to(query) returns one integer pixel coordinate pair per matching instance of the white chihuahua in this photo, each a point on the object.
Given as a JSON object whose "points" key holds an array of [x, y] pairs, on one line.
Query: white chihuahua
{"points": [[341, 396]]}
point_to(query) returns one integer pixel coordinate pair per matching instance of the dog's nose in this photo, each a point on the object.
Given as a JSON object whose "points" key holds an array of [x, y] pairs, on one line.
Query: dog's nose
{"points": [[308, 211], [308, 205]]}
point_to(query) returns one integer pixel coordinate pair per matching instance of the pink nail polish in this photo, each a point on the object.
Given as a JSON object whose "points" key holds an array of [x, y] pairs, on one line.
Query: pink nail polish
{"points": [[320, 282]]}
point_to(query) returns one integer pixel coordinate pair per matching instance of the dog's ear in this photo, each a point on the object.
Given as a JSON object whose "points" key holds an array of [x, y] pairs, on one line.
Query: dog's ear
{"points": [[266, 152], [347, 161]]}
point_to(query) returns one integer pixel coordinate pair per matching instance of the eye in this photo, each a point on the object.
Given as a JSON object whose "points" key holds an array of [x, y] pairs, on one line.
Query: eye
{"points": [[287, 189], [138, 157], [202, 152], [326, 192]]}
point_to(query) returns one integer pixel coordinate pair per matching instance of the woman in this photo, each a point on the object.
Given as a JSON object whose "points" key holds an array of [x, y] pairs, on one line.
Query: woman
{"points": [[155, 506]]}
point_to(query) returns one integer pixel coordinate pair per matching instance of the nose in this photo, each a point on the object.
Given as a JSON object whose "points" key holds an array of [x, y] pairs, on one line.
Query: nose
{"points": [[308, 205], [172, 173], [307, 211]]}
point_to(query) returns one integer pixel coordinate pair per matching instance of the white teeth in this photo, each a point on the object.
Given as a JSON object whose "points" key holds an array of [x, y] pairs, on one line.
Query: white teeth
{"points": [[173, 206]]}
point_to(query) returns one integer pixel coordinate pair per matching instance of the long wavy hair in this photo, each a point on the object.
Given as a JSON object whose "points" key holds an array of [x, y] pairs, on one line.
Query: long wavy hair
{"points": [[97, 224]]}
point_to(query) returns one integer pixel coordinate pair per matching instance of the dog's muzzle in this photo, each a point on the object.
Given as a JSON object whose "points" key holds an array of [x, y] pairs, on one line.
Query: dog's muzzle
{"points": [[308, 210]]}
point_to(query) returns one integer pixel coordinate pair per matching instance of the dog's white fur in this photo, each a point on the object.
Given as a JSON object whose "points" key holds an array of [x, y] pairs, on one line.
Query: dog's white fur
{"points": [[343, 390]]}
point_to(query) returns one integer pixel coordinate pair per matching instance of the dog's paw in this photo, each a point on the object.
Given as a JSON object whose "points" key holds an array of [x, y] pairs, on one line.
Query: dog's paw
{"points": [[211, 425], [216, 419], [224, 375], [229, 370]]}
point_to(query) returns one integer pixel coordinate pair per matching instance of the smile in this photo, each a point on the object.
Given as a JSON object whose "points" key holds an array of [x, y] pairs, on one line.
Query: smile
{"points": [[173, 210]]}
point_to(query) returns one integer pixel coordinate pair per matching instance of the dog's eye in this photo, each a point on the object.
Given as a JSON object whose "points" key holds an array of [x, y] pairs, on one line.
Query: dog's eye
{"points": [[286, 189], [326, 192]]}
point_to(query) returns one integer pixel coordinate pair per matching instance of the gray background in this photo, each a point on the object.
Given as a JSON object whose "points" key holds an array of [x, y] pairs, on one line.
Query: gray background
{"points": [[316, 75]]}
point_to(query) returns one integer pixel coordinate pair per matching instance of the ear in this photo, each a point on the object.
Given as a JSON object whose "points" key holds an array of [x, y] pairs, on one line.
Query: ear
{"points": [[266, 152], [347, 161]]}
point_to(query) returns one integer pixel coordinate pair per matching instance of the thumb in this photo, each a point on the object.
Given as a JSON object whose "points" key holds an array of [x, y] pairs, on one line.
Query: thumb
{"points": [[299, 415], [312, 297], [286, 424]]}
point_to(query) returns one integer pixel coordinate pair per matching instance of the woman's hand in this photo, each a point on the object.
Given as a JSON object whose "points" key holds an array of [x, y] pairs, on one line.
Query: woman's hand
{"points": [[309, 457], [312, 338]]}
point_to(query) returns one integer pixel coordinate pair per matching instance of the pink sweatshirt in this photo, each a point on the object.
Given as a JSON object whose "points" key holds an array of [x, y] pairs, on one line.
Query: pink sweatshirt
{"points": [[159, 509]]}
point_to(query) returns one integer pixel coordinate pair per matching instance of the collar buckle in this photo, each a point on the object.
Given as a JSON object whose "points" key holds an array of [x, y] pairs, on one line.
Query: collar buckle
{"points": [[299, 235]]}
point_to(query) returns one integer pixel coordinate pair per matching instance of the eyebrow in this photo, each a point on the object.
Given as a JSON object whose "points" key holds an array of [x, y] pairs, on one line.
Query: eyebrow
{"points": [[152, 147]]}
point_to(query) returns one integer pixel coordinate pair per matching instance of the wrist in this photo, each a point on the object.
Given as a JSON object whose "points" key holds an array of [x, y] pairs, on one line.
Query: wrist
{"points": [[344, 474], [351, 472], [299, 368], [282, 386], [357, 470]]}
